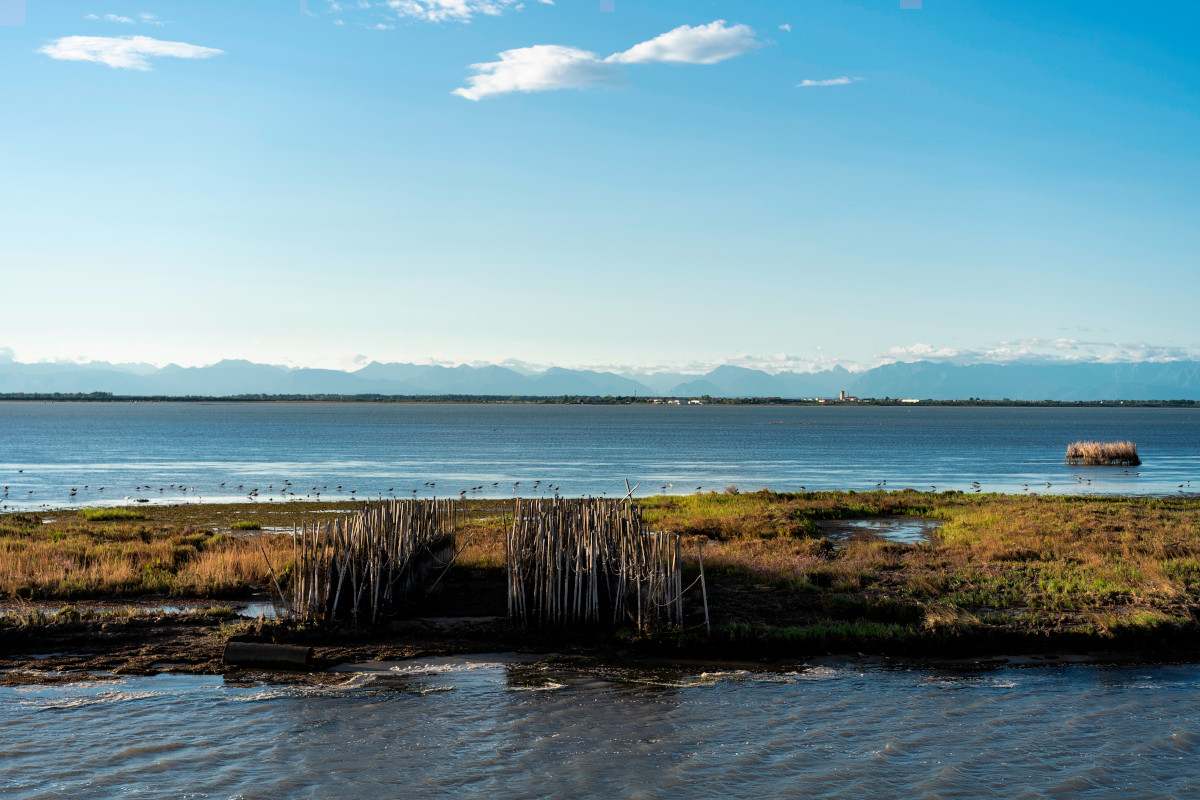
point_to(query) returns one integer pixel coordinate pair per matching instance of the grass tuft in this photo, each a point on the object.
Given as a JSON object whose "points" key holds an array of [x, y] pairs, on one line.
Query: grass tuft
{"points": [[111, 514]]}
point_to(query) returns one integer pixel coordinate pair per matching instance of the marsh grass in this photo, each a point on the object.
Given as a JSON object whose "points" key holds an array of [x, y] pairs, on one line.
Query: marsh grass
{"points": [[246, 525], [110, 514], [1113, 454], [72, 559], [998, 561], [766, 514], [1093, 566]]}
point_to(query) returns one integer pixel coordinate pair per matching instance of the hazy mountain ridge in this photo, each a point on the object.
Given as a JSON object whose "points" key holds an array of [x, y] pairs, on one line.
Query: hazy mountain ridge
{"points": [[1174, 380]]}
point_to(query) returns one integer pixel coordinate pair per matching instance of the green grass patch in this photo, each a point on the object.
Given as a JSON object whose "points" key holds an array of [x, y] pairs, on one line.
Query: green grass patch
{"points": [[111, 514]]}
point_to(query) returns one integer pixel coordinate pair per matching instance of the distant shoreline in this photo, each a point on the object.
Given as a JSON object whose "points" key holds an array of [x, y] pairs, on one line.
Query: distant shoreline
{"points": [[607, 400]]}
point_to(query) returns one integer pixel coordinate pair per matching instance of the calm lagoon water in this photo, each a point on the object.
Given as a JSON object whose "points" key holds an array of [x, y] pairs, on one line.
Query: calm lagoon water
{"points": [[490, 727], [183, 452]]}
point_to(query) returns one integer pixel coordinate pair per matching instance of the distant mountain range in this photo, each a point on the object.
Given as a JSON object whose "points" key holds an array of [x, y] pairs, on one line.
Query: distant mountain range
{"points": [[1175, 380]]}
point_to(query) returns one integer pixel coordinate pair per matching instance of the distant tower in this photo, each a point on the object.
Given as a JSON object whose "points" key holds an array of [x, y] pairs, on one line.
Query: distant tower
{"points": [[842, 395]]}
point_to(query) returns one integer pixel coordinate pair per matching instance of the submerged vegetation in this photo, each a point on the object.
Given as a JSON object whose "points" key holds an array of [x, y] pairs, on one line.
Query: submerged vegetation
{"points": [[1107, 454], [998, 571]]}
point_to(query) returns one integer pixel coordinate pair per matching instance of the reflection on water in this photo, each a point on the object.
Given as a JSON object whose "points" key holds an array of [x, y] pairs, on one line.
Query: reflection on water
{"points": [[505, 726], [252, 610], [906, 530]]}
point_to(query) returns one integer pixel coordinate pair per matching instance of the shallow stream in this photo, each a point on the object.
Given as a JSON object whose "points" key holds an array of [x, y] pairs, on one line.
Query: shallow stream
{"points": [[498, 727]]}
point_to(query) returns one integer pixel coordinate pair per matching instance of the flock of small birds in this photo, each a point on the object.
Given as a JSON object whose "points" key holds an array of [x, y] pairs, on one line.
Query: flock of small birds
{"points": [[287, 491]]}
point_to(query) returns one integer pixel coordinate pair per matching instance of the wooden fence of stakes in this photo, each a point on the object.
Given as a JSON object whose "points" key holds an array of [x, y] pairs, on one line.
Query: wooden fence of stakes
{"points": [[588, 562], [355, 568]]}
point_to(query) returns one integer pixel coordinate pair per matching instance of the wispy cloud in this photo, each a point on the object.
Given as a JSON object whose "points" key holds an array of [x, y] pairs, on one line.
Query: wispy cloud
{"points": [[786, 28], [451, 10], [144, 18], [123, 52], [546, 67], [771, 364], [703, 44], [1040, 350], [843, 81]]}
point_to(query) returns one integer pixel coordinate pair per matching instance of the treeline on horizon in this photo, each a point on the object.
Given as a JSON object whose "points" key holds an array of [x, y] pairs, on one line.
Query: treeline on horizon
{"points": [[107, 397]]}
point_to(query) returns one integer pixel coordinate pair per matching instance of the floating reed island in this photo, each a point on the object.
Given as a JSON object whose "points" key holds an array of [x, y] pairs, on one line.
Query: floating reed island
{"points": [[1103, 454]]}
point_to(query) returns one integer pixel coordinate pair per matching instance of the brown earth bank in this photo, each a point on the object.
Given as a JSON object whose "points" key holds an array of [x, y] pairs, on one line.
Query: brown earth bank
{"points": [[988, 576]]}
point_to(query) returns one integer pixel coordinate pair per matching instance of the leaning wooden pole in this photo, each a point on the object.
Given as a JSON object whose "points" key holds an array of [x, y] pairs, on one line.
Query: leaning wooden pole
{"points": [[703, 587]]}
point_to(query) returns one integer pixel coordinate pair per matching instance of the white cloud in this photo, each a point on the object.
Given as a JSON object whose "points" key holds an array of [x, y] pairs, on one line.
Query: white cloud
{"points": [[703, 44], [349, 361], [122, 52], [454, 10], [1041, 350], [786, 28], [843, 81], [545, 67], [538, 69], [771, 364], [144, 17]]}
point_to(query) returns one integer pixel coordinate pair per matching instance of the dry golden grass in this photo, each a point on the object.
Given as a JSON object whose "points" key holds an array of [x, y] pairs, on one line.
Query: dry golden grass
{"points": [[1119, 454], [75, 558]]}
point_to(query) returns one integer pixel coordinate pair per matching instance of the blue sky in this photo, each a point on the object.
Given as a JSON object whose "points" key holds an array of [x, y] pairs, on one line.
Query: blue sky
{"points": [[984, 181]]}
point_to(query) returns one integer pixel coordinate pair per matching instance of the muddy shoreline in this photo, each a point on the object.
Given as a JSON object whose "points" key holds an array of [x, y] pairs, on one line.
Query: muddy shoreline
{"points": [[193, 643]]}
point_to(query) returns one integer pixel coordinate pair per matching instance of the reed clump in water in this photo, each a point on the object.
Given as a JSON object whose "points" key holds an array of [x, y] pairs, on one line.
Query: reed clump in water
{"points": [[1103, 454]]}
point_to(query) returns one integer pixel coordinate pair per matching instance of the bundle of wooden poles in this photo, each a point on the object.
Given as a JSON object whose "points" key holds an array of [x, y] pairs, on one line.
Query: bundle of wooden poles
{"points": [[589, 562], [356, 568]]}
